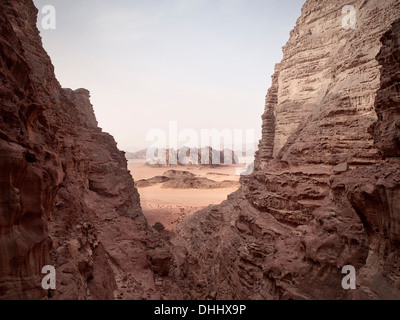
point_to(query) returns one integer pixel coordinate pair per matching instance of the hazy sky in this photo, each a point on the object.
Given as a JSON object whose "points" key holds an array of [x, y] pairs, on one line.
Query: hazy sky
{"points": [[203, 63]]}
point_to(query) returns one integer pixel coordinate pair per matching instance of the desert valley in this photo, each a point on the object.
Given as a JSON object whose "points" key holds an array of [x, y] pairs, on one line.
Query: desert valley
{"points": [[322, 198], [195, 188]]}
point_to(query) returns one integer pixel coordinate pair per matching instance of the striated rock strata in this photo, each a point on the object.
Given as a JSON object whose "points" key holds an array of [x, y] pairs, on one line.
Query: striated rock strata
{"points": [[322, 195], [374, 192]]}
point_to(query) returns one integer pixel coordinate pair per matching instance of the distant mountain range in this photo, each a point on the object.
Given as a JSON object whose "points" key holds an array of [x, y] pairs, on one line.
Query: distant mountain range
{"points": [[139, 155], [185, 156]]}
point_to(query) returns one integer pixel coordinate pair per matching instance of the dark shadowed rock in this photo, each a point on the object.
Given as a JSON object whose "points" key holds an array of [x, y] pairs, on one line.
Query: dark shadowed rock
{"points": [[67, 199]]}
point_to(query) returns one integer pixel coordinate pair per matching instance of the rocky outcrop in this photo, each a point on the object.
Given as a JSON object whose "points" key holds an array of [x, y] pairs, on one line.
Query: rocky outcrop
{"points": [[321, 195], [266, 147], [173, 179], [374, 193], [324, 193], [206, 156], [67, 198]]}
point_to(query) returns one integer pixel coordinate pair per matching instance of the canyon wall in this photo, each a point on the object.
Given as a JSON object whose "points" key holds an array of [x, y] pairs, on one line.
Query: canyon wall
{"points": [[325, 190], [67, 198], [374, 192]]}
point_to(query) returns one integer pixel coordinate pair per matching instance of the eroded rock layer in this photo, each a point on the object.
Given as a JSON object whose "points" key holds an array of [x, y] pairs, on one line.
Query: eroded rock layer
{"points": [[67, 199], [374, 192], [322, 196], [325, 191]]}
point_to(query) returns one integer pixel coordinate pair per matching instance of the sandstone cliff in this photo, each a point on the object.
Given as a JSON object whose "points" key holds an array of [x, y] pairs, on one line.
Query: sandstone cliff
{"points": [[322, 195], [325, 191], [67, 198]]}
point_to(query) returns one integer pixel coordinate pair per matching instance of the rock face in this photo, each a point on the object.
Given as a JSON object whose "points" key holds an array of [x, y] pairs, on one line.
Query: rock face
{"points": [[325, 192], [67, 198], [387, 103], [322, 195], [375, 192]]}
